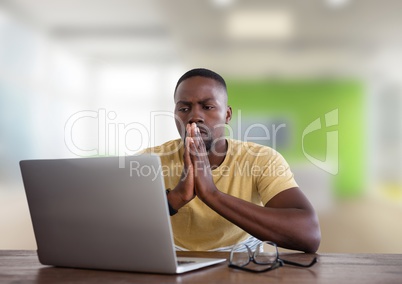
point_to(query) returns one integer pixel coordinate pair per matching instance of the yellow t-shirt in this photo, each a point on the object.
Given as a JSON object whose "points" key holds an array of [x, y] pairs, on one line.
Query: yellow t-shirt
{"points": [[249, 171]]}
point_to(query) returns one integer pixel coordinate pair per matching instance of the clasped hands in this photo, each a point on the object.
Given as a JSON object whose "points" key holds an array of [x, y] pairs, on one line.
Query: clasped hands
{"points": [[196, 178]]}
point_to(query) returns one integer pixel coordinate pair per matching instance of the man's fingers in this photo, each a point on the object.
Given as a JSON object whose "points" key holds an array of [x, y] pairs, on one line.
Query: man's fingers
{"points": [[193, 152], [189, 150]]}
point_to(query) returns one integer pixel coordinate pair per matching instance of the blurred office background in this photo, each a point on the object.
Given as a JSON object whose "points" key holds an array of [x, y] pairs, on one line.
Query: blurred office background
{"points": [[319, 80]]}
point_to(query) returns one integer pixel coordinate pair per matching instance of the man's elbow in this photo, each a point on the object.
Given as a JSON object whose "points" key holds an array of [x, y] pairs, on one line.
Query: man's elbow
{"points": [[313, 239], [313, 243]]}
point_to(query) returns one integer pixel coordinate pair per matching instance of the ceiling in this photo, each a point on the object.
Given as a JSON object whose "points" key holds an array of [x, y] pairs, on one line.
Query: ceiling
{"points": [[325, 37]]}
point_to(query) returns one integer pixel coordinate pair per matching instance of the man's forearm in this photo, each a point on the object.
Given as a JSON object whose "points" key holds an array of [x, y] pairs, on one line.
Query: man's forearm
{"points": [[292, 228]]}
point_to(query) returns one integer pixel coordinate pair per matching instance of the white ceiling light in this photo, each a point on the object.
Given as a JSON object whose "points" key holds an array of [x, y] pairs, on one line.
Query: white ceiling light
{"points": [[260, 25], [222, 3], [337, 3]]}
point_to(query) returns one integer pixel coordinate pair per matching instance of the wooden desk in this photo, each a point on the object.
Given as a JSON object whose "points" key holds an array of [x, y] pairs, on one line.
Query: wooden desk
{"points": [[24, 267]]}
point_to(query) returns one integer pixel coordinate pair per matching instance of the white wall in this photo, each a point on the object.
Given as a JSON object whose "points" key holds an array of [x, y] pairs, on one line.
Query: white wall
{"points": [[56, 103]]}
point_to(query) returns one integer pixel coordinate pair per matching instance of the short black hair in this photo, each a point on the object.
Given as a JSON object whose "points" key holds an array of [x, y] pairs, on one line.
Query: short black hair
{"points": [[202, 72]]}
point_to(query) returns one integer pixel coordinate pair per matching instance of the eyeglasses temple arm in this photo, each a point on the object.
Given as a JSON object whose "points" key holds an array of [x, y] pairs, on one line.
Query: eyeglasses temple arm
{"points": [[314, 261]]}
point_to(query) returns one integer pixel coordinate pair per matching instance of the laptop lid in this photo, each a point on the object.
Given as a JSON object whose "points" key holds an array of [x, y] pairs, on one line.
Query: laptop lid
{"points": [[101, 213]]}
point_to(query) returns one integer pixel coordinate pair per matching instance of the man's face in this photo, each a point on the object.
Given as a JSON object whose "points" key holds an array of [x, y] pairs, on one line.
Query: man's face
{"points": [[203, 101]]}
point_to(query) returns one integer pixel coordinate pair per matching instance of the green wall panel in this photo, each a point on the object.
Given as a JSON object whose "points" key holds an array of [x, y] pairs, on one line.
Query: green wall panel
{"points": [[297, 104]]}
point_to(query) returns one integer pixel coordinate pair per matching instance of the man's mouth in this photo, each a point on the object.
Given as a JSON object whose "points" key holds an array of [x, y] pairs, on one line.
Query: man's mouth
{"points": [[204, 132]]}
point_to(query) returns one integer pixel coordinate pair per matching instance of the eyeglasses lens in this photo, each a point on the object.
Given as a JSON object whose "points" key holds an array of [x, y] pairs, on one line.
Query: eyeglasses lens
{"points": [[266, 253], [240, 255]]}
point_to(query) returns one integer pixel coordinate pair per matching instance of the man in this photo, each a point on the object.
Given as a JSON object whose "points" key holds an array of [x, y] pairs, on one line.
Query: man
{"points": [[222, 192]]}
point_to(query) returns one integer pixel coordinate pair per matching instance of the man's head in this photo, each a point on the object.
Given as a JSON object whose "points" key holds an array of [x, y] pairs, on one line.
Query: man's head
{"points": [[201, 97], [202, 72]]}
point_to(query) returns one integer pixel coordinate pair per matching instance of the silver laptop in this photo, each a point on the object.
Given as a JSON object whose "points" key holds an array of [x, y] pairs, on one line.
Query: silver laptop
{"points": [[103, 213]]}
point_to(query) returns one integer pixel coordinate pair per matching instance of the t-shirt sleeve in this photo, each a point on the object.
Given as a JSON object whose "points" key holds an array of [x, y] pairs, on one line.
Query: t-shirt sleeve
{"points": [[275, 176]]}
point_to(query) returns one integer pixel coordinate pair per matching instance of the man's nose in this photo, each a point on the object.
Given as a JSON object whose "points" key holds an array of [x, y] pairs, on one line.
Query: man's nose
{"points": [[196, 116]]}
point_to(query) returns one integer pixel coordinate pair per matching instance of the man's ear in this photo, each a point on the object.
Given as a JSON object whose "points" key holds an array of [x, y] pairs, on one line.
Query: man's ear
{"points": [[228, 114]]}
